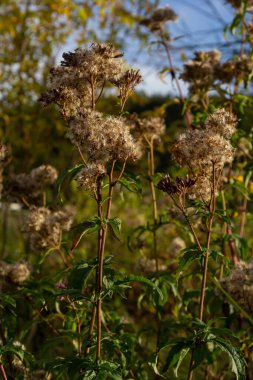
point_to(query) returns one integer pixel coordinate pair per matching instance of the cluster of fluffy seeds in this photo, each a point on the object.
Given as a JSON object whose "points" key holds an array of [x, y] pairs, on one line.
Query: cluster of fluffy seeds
{"points": [[206, 69], [237, 69], [199, 149], [150, 129], [103, 138], [45, 226], [199, 72], [14, 274], [31, 185], [205, 150], [239, 284], [148, 266], [158, 18], [176, 245], [75, 88], [90, 175], [126, 83]]}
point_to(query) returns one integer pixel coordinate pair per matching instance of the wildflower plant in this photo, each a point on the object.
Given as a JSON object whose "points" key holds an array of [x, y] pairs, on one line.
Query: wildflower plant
{"points": [[103, 141], [174, 300]]}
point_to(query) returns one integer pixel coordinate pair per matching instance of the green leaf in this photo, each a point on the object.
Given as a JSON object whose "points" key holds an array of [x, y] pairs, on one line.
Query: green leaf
{"points": [[235, 357], [144, 280], [80, 274], [23, 355], [182, 355], [200, 353], [153, 361], [187, 257], [87, 227], [131, 182], [176, 356], [67, 174], [115, 226]]}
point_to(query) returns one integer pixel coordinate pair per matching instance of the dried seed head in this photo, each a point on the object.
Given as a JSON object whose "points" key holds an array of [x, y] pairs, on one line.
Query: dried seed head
{"points": [[237, 4], [164, 14], [100, 62], [158, 19], [202, 189], [148, 128], [200, 149], [199, 72], [30, 185], [238, 69], [90, 175], [148, 266], [222, 122], [20, 272], [45, 226], [127, 82], [179, 186], [239, 284], [5, 269], [104, 138], [176, 245]]}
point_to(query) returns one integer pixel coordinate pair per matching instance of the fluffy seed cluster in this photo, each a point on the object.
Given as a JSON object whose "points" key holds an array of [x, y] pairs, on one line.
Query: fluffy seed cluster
{"points": [[239, 284], [148, 128], [14, 274], [90, 175], [31, 186], [158, 18], [45, 226], [75, 87], [199, 72], [103, 138], [206, 69], [236, 70], [126, 83], [148, 266], [206, 150]]}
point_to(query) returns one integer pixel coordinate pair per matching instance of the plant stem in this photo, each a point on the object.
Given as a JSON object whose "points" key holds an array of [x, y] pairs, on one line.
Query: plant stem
{"points": [[244, 207], [91, 329], [212, 208], [2, 371], [174, 76], [78, 325], [151, 173], [100, 262]]}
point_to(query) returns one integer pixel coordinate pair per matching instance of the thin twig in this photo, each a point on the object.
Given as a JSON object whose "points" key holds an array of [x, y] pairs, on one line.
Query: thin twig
{"points": [[174, 76]]}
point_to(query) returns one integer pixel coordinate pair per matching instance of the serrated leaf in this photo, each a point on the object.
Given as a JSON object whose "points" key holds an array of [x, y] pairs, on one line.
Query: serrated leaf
{"points": [[115, 226], [236, 358]]}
